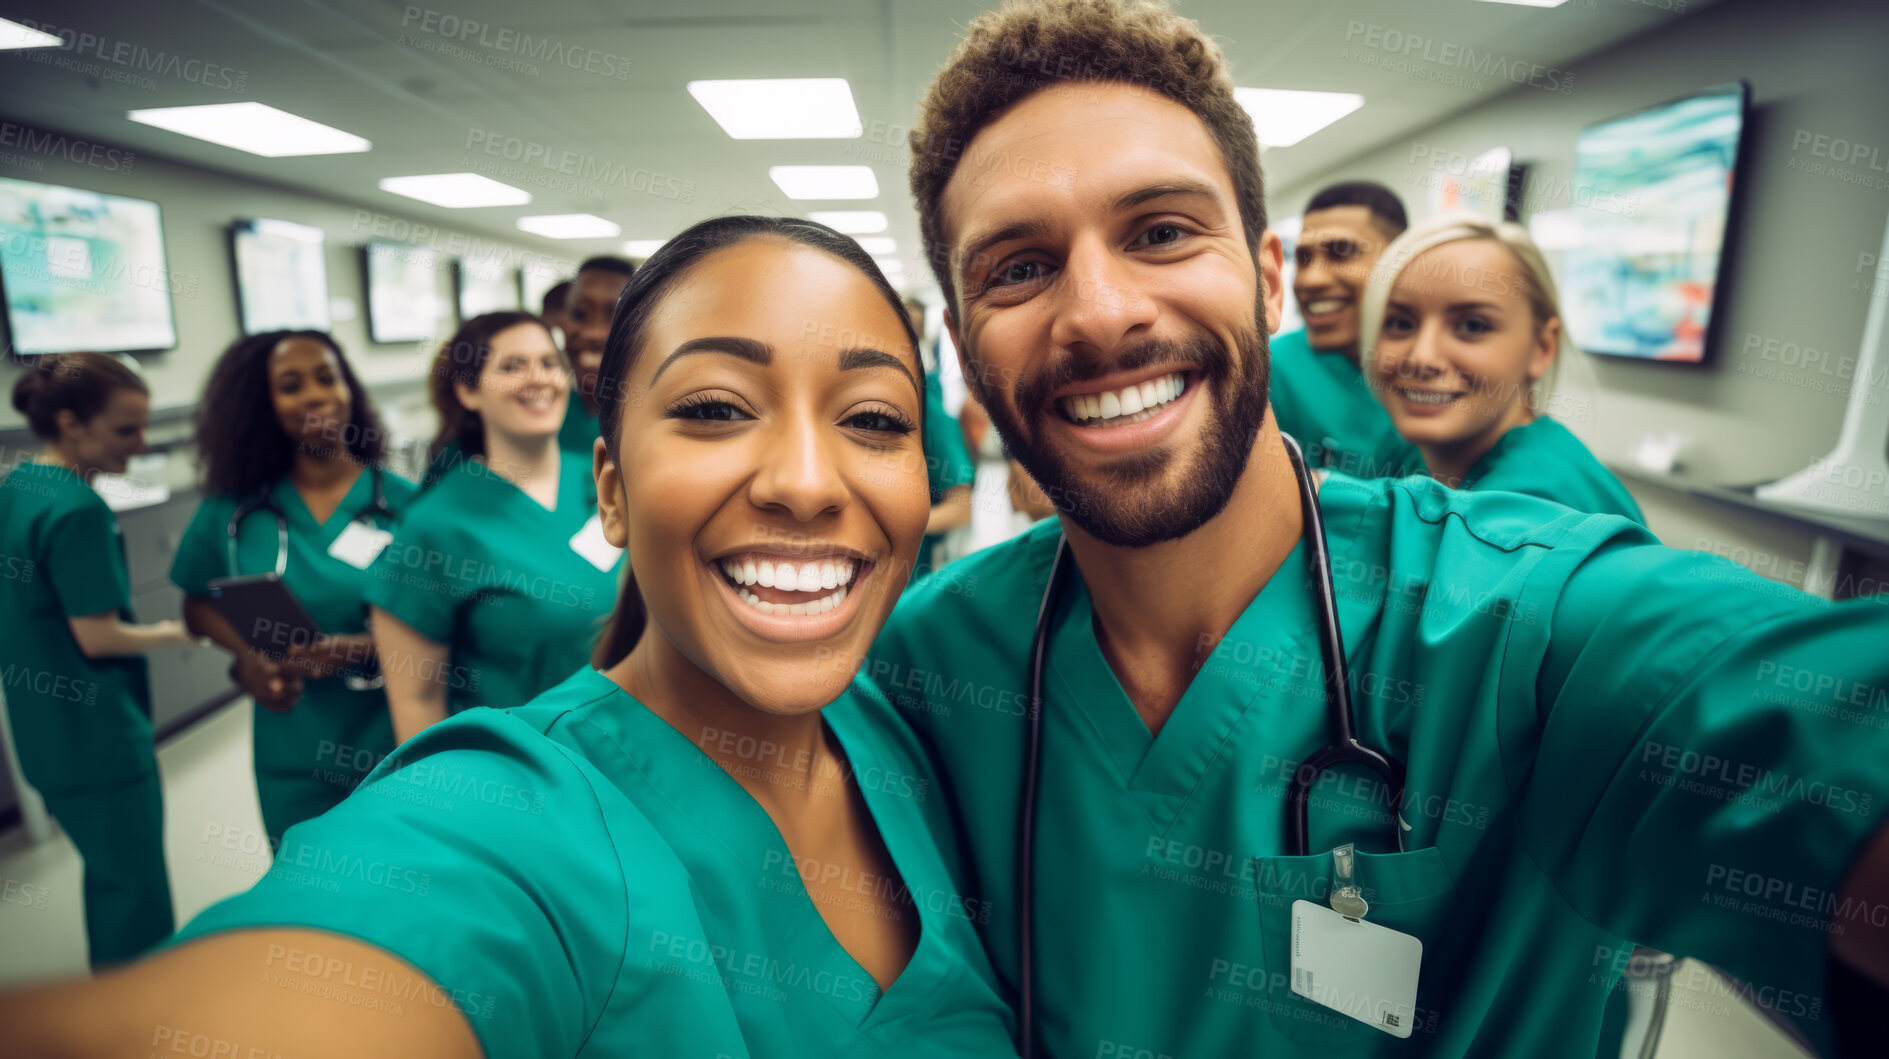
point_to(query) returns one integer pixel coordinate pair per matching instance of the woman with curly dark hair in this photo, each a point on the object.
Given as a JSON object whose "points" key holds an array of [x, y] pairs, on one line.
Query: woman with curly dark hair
{"points": [[291, 450]]}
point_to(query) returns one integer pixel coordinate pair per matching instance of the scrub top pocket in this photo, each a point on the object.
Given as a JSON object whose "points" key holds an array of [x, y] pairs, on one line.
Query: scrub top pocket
{"points": [[1408, 892]]}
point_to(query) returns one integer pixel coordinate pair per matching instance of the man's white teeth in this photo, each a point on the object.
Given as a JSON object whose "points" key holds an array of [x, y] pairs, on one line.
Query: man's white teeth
{"points": [[1427, 396], [818, 606], [810, 575], [1324, 305], [1142, 400]]}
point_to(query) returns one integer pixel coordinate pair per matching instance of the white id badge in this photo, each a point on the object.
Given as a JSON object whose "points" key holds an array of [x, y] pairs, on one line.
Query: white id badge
{"points": [[1355, 967], [359, 544], [594, 547]]}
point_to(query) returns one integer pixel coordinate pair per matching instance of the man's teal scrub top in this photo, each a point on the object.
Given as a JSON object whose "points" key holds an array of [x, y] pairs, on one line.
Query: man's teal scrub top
{"points": [[478, 565], [303, 742], [1605, 740], [1322, 400], [78, 722], [580, 428], [578, 877], [1545, 459]]}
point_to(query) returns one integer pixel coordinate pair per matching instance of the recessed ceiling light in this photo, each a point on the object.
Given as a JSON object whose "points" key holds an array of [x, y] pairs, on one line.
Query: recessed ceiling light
{"points": [[1283, 117], [456, 191], [1528, 3], [889, 265], [825, 181], [14, 35], [570, 226], [792, 108], [254, 127], [852, 222], [877, 245], [642, 248]]}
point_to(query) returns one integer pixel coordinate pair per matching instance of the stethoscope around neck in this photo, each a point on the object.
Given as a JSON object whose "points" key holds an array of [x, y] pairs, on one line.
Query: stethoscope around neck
{"points": [[1344, 748], [377, 507]]}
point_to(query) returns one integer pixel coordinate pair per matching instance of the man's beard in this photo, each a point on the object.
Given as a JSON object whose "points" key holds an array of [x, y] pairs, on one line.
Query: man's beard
{"points": [[1127, 505]]}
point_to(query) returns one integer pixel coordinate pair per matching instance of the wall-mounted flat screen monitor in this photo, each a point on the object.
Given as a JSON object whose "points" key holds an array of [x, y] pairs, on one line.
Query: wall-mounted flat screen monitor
{"points": [[281, 276], [84, 271], [485, 286], [403, 297], [1652, 195]]}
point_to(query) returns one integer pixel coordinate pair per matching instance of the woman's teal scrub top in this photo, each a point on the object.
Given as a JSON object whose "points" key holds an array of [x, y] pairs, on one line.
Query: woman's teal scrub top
{"points": [[78, 722], [478, 565], [1322, 400], [1545, 459], [1604, 740], [305, 741], [578, 877]]}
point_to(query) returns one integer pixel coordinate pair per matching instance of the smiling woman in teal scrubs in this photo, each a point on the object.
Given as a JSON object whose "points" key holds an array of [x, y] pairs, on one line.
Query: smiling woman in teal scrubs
{"points": [[76, 686], [682, 853], [1463, 336], [289, 439], [498, 577]]}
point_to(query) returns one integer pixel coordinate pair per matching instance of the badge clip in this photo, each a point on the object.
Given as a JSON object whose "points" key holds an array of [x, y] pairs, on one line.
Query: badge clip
{"points": [[1347, 898]]}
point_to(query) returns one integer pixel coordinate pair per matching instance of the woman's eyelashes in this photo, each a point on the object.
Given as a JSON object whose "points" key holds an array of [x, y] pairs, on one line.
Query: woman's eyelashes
{"points": [[712, 408]]}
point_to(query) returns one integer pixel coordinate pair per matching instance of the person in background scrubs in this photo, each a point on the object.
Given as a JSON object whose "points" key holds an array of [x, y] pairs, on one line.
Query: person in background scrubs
{"points": [[1463, 339], [1318, 395], [497, 576], [286, 429], [76, 684], [586, 324], [680, 854], [551, 309], [1602, 740], [947, 461]]}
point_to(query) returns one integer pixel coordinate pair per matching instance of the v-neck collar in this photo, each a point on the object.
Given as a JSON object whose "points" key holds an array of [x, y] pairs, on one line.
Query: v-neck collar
{"points": [[288, 500], [569, 489], [1272, 647], [724, 813]]}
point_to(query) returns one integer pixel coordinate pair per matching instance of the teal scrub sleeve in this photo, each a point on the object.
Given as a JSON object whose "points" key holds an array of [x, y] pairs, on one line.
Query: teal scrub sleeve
{"points": [[203, 551], [82, 561], [947, 461], [412, 579], [477, 852], [1712, 760]]}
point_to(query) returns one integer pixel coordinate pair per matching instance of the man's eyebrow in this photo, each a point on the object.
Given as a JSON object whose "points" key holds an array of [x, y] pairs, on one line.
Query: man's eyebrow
{"points": [[745, 348], [1163, 190], [875, 358], [1031, 229]]}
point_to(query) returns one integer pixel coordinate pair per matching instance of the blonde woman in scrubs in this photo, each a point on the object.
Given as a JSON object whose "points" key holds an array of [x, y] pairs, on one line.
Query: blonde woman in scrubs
{"points": [[77, 688], [1463, 335], [498, 577], [680, 853], [291, 448]]}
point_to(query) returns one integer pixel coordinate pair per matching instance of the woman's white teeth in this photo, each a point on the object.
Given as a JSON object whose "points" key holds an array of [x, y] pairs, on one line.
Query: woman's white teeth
{"points": [[818, 606], [1428, 396], [809, 576], [1141, 400], [1324, 305]]}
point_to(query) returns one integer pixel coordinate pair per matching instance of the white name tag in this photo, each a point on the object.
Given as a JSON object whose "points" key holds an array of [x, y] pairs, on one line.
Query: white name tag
{"points": [[1355, 967], [359, 544], [594, 547]]}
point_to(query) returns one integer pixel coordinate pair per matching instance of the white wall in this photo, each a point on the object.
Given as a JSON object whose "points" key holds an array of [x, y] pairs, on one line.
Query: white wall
{"points": [[198, 206], [1798, 271]]}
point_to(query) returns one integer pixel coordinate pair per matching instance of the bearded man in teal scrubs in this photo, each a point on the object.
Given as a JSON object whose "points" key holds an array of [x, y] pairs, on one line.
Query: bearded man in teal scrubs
{"points": [[1318, 394], [1602, 741]]}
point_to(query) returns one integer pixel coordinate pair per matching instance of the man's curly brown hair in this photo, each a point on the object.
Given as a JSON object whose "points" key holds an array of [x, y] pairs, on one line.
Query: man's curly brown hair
{"points": [[1026, 46]]}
